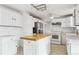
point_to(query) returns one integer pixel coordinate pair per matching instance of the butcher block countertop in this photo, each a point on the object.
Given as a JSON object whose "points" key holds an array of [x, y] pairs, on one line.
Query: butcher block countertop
{"points": [[34, 37]]}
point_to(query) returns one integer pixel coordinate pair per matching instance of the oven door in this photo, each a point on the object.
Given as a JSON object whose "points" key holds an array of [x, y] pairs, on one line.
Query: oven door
{"points": [[56, 38]]}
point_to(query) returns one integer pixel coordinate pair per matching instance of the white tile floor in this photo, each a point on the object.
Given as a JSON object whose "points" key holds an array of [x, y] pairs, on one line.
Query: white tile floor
{"points": [[55, 50]]}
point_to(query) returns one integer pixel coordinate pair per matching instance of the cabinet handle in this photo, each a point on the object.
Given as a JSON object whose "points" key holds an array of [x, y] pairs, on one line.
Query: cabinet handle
{"points": [[13, 18]]}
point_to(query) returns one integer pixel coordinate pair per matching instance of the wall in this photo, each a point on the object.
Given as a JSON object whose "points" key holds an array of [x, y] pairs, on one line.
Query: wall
{"points": [[68, 22], [27, 24], [56, 27]]}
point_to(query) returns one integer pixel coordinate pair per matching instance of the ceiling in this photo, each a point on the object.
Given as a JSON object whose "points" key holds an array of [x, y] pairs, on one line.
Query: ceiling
{"points": [[54, 10]]}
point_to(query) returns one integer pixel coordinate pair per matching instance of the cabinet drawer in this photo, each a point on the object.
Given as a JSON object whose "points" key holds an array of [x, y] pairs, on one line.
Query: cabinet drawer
{"points": [[14, 31], [4, 31], [30, 43]]}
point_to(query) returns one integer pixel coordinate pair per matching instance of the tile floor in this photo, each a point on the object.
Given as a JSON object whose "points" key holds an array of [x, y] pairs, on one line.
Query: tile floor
{"points": [[55, 50], [58, 50]]}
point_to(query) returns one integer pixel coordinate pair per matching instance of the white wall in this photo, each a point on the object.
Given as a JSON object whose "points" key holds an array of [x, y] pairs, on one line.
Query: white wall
{"points": [[27, 24], [68, 22]]}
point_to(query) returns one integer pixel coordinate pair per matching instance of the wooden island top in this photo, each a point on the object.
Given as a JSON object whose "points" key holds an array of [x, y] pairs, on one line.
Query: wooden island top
{"points": [[34, 37]]}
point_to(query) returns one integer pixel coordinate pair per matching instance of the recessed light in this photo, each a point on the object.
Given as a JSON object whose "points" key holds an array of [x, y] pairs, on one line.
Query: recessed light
{"points": [[52, 17], [40, 7]]}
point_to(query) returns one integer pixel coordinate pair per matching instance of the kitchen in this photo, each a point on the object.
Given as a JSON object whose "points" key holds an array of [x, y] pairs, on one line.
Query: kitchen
{"points": [[39, 29]]}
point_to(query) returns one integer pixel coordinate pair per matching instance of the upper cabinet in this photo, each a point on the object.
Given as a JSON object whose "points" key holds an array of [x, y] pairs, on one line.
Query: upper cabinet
{"points": [[76, 17], [9, 17], [16, 19]]}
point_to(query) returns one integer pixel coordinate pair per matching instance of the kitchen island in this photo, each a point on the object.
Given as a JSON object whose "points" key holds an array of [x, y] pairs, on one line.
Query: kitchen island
{"points": [[38, 44]]}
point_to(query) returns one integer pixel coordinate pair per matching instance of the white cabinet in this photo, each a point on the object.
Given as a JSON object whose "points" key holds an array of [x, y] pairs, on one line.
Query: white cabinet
{"points": [[8, 45], [3, 31], [29, 47], [16, 19], [10, 25], [43, 47], [14, 31], [72, 46], [39, 47], [10, 31], [5, 16], [73, 49], [10, 17], [0, 46]]}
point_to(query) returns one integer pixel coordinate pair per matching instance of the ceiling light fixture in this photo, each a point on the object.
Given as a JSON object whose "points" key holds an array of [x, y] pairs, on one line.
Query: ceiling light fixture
{"points": [[52, 17], [40, 7]]}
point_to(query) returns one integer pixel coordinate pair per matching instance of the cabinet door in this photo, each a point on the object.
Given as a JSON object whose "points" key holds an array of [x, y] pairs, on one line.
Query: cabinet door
{"points": [[10, 17], [76, 16], [16, 19], [6, 16], [29, 47], [43, 46], [0, 15], [9, 46], [19, 19], [0, 46], [75, 49], [13, 46], [6, 45]]}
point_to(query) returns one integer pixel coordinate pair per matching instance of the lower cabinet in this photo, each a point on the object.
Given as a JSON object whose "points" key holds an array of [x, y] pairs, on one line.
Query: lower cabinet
{"points": [[29, 47], [43, 46], [39, 47], [73, 48], [7, 46]]}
